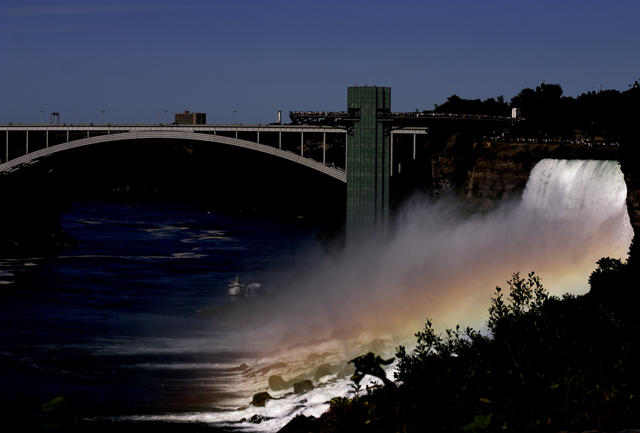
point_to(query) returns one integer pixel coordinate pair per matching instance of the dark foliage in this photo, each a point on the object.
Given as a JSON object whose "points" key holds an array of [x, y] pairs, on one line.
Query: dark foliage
{"points": [[609, 114], [371, 365], [490, 106]]}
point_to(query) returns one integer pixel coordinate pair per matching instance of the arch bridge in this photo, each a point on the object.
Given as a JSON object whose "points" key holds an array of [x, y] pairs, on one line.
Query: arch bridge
{"points": [[320, 148]]}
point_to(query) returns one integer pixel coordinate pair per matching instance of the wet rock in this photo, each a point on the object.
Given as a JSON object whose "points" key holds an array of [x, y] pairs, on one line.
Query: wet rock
{"points": [[300, 378], [277, 383], [348, 370], [257, 419], [242, 367], [305, 385], [312, 357], [341, 376], [323, 370], [260, 399], [302, 424]]}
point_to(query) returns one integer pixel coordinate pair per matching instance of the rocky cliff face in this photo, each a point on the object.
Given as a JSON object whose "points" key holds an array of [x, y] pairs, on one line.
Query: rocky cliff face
{"points": [[629, 158], [494, 172], [633, 200]]}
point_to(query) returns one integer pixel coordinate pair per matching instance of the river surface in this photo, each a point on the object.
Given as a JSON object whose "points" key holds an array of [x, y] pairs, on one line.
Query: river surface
{"points": [[110, 325]]}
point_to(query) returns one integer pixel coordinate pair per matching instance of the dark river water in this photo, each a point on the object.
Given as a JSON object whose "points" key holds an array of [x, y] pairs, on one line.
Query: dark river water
{"points": [[110, 325]]}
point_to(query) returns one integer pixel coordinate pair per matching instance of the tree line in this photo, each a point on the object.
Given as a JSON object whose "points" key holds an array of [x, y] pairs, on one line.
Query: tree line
{"points": [[607, 113]]}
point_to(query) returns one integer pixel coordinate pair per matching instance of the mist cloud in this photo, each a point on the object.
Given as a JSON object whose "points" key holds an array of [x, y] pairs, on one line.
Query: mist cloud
{"points": [[442, 264]]}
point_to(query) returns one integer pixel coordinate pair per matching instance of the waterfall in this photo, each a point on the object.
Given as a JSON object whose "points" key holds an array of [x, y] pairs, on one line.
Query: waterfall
{"points": [[570, 189], [584, 200]]}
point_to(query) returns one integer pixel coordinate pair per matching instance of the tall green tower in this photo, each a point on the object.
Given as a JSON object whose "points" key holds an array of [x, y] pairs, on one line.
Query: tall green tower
{"points": [[367, 163]]}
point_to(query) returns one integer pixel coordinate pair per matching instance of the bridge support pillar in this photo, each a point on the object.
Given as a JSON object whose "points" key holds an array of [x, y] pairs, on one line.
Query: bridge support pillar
{"points": [[324, 148], [414, 146], [26, 152], [391, 156]]}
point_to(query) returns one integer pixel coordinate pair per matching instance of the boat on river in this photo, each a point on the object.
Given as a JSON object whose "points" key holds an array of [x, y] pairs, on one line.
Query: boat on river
{"points": [[255, 288], [237, 288]]}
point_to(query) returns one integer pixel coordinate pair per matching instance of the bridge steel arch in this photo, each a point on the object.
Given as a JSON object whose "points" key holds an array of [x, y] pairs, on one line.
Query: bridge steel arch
{"points": [[34, 157]]}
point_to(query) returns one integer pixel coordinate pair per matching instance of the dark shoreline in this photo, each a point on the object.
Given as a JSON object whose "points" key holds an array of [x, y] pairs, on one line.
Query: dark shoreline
{"points": [[96, 425]]}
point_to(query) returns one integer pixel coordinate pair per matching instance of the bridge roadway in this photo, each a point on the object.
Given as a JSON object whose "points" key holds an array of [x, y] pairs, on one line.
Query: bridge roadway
{"points": [[59, 138]]}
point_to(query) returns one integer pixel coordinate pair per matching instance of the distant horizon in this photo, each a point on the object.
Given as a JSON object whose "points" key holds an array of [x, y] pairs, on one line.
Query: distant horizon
{"points": [[135, 60]]}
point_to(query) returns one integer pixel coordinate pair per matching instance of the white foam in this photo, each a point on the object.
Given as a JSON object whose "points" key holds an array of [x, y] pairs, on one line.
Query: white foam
{"points": [[188, 255], [276, 413], [183, 366], [89, 222]]}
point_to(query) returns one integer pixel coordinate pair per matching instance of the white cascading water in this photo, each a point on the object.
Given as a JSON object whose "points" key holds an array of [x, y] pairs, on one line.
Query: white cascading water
{"points": [[570, 189], [438, 265]]}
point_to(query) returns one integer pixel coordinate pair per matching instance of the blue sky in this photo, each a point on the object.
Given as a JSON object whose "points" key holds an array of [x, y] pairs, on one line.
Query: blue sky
{"points": [[135, 59]]}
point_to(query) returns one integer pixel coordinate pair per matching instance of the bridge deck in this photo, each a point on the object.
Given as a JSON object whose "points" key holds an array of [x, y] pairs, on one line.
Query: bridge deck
{"points": [[166, 127]]}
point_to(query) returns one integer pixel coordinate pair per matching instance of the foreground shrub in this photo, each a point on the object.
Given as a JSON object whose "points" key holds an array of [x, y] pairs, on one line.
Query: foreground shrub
{"points": [[548, 364]]}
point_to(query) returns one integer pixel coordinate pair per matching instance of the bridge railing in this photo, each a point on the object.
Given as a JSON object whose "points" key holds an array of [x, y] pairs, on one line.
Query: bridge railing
{"points": [[434, 115], [385, 115], [319, 114]]}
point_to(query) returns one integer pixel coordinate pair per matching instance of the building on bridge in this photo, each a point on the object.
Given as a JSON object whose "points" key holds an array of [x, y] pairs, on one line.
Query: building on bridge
{"points": [[368, 162], [372, 131], [187, 118]]}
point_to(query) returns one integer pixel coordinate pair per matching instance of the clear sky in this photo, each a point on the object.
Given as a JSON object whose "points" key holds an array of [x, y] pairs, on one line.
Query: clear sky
{"points": [[136, 58]]}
